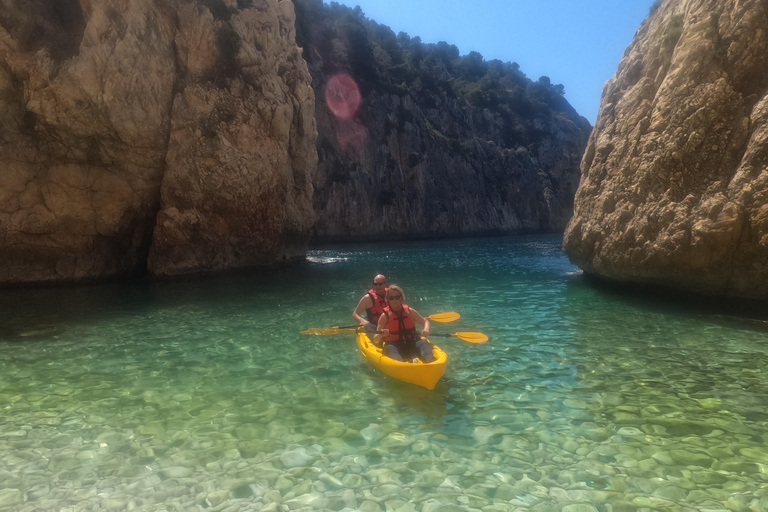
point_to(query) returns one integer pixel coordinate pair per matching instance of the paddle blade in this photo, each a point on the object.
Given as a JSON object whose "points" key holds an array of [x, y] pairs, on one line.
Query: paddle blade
{"points": [[324, 331], [445, 317], [471, 337]]}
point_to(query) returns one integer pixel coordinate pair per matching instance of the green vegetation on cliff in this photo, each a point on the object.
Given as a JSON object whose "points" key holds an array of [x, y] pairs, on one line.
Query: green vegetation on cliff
{"points": [[441, 145], [399, 64]]}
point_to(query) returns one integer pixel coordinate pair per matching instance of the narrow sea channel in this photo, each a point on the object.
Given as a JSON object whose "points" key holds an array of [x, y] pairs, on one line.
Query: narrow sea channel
{"points": [[201, 394]]}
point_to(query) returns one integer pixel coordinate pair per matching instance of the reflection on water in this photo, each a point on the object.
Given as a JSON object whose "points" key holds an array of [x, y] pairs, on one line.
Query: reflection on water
{"points": [[201, 393]]}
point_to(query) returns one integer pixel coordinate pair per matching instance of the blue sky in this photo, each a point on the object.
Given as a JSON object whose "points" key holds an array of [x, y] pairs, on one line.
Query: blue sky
{"points": [[577, 43]]}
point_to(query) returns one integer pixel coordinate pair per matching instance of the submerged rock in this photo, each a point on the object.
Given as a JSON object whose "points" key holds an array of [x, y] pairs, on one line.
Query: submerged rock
{"points": [[674, 186], [296, 458]]}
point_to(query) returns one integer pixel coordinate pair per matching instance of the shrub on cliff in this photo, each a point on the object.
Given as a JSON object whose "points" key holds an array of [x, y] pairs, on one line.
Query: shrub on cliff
{"points": [[435, 131], [399, 64]]}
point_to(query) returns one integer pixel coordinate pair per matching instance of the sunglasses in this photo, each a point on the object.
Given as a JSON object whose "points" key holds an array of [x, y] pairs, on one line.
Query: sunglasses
{"points": [[395, 297], [379, 284]]}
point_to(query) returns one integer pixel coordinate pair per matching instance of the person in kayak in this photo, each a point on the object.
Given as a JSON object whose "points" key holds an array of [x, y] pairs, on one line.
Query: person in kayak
{"points": [[397, 328], [373, 304]]}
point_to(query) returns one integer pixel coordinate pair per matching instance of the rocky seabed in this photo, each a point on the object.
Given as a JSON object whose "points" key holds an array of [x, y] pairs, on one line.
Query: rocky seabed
{"points": [[178, 464], [203, 396]]}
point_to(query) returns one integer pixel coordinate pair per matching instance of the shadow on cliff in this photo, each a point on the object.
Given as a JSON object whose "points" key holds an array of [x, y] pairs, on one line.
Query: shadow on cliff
{"points": [[57, 25]]}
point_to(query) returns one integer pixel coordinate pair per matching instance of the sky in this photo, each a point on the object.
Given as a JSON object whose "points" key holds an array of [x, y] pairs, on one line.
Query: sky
{"points": [[577, 43]]}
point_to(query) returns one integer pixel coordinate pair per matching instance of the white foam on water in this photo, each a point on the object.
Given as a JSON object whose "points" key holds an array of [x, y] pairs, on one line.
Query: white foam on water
{"points": [[327, 259]]}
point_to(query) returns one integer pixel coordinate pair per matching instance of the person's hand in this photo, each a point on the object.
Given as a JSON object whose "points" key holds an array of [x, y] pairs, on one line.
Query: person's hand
{"points": [[425, 333], [385, 332]]}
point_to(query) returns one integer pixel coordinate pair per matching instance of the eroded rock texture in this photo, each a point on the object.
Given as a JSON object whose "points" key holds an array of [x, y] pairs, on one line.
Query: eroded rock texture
{"points": [[237, 188], [674, 187], [441, 145], [113, 114]]}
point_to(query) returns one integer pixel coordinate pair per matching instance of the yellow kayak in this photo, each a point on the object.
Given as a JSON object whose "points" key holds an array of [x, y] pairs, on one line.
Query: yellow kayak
{"points": [[419, 373]]}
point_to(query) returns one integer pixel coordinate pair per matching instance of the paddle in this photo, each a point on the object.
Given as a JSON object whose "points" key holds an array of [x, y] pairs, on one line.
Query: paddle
{"points": [[437, 317], [471, 337], [444, 317], [329, 330]]}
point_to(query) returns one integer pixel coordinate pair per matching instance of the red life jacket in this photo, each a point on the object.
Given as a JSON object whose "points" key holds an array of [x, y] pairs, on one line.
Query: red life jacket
{"points": [[402, 325], [379, 303]]}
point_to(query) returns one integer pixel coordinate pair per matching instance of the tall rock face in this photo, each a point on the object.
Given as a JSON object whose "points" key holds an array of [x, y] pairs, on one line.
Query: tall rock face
{"points": [[674, 187], [195, 115], [237, 186], [416, 141]]}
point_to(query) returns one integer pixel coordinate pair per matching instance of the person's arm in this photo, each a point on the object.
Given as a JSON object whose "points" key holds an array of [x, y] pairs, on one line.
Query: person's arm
{"points": [[365, 303], [378, 340], [421, 321]]}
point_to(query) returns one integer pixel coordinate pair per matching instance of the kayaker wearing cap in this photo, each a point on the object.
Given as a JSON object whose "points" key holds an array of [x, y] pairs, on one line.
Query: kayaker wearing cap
{"points": [[398, 327], [373, 303]]}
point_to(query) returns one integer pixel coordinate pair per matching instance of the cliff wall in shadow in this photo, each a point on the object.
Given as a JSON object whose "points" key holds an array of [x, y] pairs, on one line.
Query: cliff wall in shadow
{"points": [[438, 144]]}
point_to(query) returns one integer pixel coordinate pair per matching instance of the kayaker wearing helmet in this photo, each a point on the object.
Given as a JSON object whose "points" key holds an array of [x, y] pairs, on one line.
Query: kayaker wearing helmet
{"points": [[398, 327], [373, 303]]}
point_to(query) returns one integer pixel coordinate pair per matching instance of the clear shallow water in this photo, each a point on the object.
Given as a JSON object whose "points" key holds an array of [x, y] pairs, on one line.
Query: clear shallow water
{"points": [[202, 395]]}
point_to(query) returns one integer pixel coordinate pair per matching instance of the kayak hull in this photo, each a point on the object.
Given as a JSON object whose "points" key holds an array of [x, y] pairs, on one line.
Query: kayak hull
{"points": [[419, 373]]}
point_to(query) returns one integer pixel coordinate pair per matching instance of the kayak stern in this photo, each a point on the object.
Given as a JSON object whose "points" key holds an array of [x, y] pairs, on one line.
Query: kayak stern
{"points": [[419, 373]]}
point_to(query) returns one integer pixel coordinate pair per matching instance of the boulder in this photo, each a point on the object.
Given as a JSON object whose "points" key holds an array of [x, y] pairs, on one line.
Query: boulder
{"points": [[674, 186], [117, 116]]}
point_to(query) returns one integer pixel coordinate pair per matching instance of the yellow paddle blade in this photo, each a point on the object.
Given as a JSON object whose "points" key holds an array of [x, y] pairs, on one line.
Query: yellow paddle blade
{"points": [[471, 337], [324, 331], [444, 317]]}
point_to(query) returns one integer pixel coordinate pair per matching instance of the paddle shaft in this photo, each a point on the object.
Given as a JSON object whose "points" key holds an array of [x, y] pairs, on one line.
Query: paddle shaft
{"points": [[430, 334], [437, 317]]}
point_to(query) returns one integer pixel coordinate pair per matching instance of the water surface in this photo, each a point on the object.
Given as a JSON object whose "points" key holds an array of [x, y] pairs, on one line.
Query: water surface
{"points": [[201, 394]]}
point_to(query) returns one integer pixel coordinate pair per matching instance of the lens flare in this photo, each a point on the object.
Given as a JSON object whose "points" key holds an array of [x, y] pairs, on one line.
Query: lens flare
{"points": [[350, 134], [342, 96]]}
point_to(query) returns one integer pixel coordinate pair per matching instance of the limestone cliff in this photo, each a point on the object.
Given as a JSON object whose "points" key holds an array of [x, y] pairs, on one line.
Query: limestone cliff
{"points": [[674, 187], [195, 115], [439, 145]]}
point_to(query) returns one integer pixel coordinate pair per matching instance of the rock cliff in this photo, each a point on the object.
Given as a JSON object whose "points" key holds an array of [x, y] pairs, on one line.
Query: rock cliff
{"points": [[674, 187], [176, 135], [436, 144]]}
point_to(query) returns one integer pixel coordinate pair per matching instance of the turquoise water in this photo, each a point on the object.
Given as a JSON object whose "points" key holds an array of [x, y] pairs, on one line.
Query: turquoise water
{"points": [[201, 394]]}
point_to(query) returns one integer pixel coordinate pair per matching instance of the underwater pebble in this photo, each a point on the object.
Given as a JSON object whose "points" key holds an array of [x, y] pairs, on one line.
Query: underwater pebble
{"points": [[296, 458], [528, 447], [352, 481], [176, 472], [579, 507], [10, 497], [372, 432], [396, 440]]}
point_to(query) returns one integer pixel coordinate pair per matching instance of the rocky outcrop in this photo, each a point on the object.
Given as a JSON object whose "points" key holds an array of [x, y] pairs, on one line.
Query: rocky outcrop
{"points": [[236, 189], [115, 116], [674, 187], [440, 145]]}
